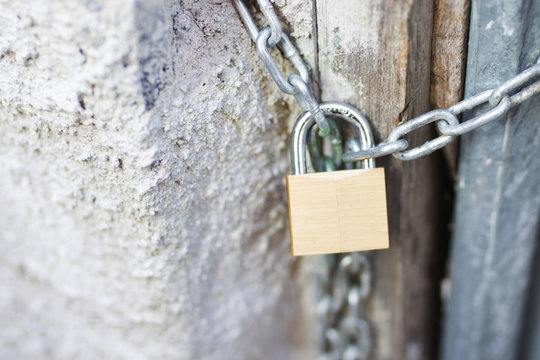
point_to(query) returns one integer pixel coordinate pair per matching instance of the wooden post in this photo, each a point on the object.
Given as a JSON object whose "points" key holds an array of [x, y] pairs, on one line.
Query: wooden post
{"points": [[376, 55]]}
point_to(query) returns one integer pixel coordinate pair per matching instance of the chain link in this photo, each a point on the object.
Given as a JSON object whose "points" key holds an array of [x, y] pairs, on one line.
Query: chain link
{"points": [[319, 160], [416, 123], [271, 36], [498, 103], [344, 283], [268, 11]]}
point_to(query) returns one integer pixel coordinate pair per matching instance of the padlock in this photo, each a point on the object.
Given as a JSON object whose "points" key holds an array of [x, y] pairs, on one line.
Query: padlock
{"points": [[337, 211]]}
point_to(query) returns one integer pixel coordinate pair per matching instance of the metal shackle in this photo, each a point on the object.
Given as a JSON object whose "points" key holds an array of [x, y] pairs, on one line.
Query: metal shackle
{"points": [[333, 110]]}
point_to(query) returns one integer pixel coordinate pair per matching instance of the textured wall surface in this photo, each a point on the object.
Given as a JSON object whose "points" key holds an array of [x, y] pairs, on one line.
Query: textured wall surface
{"points": [[142, 159]]}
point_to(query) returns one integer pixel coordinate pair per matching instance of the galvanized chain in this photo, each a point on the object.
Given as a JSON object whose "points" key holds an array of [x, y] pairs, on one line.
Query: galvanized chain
{"points": [[344, 283], [319, 160], [498, 101], [497, 104], [345, 280], [271, 36]]}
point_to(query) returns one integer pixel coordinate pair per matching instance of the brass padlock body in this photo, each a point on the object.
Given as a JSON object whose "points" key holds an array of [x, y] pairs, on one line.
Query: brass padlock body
{"points": [[338, 211]]}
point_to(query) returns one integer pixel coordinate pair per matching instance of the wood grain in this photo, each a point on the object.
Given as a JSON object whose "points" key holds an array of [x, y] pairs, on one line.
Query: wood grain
{"points": [[340, 211], [376, 55], [496, 215], [448, 60]]}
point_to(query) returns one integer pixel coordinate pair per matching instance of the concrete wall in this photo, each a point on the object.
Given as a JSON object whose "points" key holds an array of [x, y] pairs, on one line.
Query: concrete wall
{"points": [[143, 150]]}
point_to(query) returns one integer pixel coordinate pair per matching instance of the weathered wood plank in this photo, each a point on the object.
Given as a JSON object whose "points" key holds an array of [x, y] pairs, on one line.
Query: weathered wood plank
{"points": [[498, 197], [448, 51], [377, 55]]}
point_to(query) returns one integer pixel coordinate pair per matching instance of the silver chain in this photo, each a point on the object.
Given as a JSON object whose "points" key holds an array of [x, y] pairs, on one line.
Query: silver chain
{"points": [[344, 281], [272, 36], [497, 102]]}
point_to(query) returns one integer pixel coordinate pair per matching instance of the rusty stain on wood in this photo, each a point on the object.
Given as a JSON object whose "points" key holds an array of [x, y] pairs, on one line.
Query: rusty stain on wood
{"points": [[449, 51], [448, 60]]}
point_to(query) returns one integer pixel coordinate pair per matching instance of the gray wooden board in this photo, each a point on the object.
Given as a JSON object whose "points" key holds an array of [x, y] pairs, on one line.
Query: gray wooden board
{"points": [[530, 349], [498, 195]]}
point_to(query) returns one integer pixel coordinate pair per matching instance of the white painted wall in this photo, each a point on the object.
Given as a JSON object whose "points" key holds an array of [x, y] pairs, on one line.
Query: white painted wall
{"points": [[143, 210]]}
